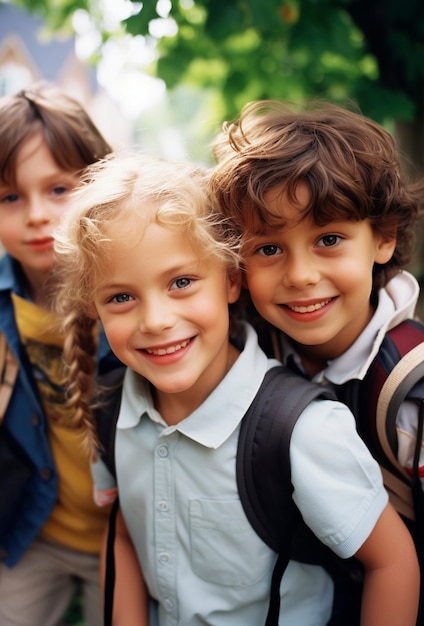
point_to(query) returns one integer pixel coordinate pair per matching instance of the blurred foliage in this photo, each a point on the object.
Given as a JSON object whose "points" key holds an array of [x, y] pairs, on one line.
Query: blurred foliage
{"points": [[367, 51]]}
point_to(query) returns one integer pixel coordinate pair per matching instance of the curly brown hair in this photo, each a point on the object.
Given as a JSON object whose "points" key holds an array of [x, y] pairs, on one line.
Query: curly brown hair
{"points": [[349, 163]]}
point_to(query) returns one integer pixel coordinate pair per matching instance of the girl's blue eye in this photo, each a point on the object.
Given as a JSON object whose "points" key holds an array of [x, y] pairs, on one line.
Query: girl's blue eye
{"points": [[120, 298], [269, 250], [181, 283], [328, 241]]}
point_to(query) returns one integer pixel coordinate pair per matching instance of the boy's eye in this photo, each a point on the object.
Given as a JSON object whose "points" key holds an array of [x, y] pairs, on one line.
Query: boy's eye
{"points": [[329, 240], [59, 190], [181, 283], [120, 298], [269, 250], [10, 198]]}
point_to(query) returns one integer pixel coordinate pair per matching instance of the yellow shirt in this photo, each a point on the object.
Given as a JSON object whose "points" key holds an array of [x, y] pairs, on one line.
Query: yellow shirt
{"points": [[75, 521]]}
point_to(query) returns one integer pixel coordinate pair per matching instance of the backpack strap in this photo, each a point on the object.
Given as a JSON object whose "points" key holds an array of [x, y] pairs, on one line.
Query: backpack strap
{"points": [[109, 582], [403, 377], [395, 374], [263, 465], [8, 372], [106, 412]]}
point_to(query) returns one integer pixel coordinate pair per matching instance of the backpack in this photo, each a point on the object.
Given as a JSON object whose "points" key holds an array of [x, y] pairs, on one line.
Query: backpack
{"points": [[396, 374], [264, 483]]}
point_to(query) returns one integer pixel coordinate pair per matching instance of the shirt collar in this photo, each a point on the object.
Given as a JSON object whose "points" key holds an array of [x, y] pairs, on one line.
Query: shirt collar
{"points": [[219, 415]]}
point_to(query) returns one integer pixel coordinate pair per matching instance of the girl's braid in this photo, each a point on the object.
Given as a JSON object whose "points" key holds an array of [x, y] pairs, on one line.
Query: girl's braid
{"points": [[79, 354]]}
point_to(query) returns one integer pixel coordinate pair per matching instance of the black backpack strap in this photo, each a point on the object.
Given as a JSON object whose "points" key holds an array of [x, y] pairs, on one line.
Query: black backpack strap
{"points": [[110, 566], [106, 412], [263, 465]]}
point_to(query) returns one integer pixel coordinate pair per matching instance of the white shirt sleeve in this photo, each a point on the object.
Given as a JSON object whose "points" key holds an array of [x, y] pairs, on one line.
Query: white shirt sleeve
{"points": [[338, 486]]}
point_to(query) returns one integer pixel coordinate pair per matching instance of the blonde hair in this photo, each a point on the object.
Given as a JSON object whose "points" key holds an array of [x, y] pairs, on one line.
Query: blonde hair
{"points": [[174, 195]]}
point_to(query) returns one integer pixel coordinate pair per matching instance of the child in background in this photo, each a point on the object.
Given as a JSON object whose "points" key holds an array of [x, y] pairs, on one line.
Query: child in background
{"points": [[328, 223], [50, 528], [144, 251]]}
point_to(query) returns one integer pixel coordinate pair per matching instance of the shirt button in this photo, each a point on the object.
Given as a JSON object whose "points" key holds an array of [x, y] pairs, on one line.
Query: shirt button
{"points": [[163, 505], [46, 473], [169, 604], [162, 451], [164, 557]]}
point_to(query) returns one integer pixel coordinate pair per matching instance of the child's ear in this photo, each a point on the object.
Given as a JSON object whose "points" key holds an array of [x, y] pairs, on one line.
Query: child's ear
{"points": [[234, 282], [385, 249]]}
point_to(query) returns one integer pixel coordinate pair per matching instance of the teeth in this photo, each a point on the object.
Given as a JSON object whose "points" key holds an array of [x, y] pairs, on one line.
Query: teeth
{"points": [[170, 350], [310, 308]]}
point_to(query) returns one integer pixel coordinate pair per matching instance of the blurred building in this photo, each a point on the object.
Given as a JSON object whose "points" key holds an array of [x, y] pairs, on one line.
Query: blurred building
{"points": [[28, 52]]}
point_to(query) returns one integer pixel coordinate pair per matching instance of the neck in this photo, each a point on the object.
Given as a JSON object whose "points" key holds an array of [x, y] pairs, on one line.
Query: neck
{"points": [[174, 407]]}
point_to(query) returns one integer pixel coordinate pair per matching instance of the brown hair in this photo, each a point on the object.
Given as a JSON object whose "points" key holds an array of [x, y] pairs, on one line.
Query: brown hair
{"points": [[348, 162], [73, 139], [74, 142]]}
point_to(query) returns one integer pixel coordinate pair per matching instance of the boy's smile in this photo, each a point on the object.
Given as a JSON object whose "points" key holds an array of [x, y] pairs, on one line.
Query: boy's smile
{"points": [[314, 282]]}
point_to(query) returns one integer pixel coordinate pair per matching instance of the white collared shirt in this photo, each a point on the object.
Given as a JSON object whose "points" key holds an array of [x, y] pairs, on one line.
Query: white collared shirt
{"points": [[201, 559]]}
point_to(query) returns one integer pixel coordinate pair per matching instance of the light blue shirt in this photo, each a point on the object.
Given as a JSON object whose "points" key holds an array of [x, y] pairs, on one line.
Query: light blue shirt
{"points": [[201, 559]]}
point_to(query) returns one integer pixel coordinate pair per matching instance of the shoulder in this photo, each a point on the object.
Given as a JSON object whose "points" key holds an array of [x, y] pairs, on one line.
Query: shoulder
{"points": [[10, 273], [325, 419], [337, 484], [325, 441]]}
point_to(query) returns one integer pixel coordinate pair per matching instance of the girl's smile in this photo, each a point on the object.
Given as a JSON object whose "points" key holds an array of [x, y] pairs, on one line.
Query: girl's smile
{"points": [[162, 351], [165, 311]]}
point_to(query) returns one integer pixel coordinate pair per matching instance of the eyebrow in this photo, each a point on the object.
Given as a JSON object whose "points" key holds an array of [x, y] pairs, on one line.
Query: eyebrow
{"points": [[183, 269]]}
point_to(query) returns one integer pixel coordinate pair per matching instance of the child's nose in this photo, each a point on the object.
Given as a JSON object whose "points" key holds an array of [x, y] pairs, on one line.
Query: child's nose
{"points": [[37, 211], [300, 272], [156, 316]]}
